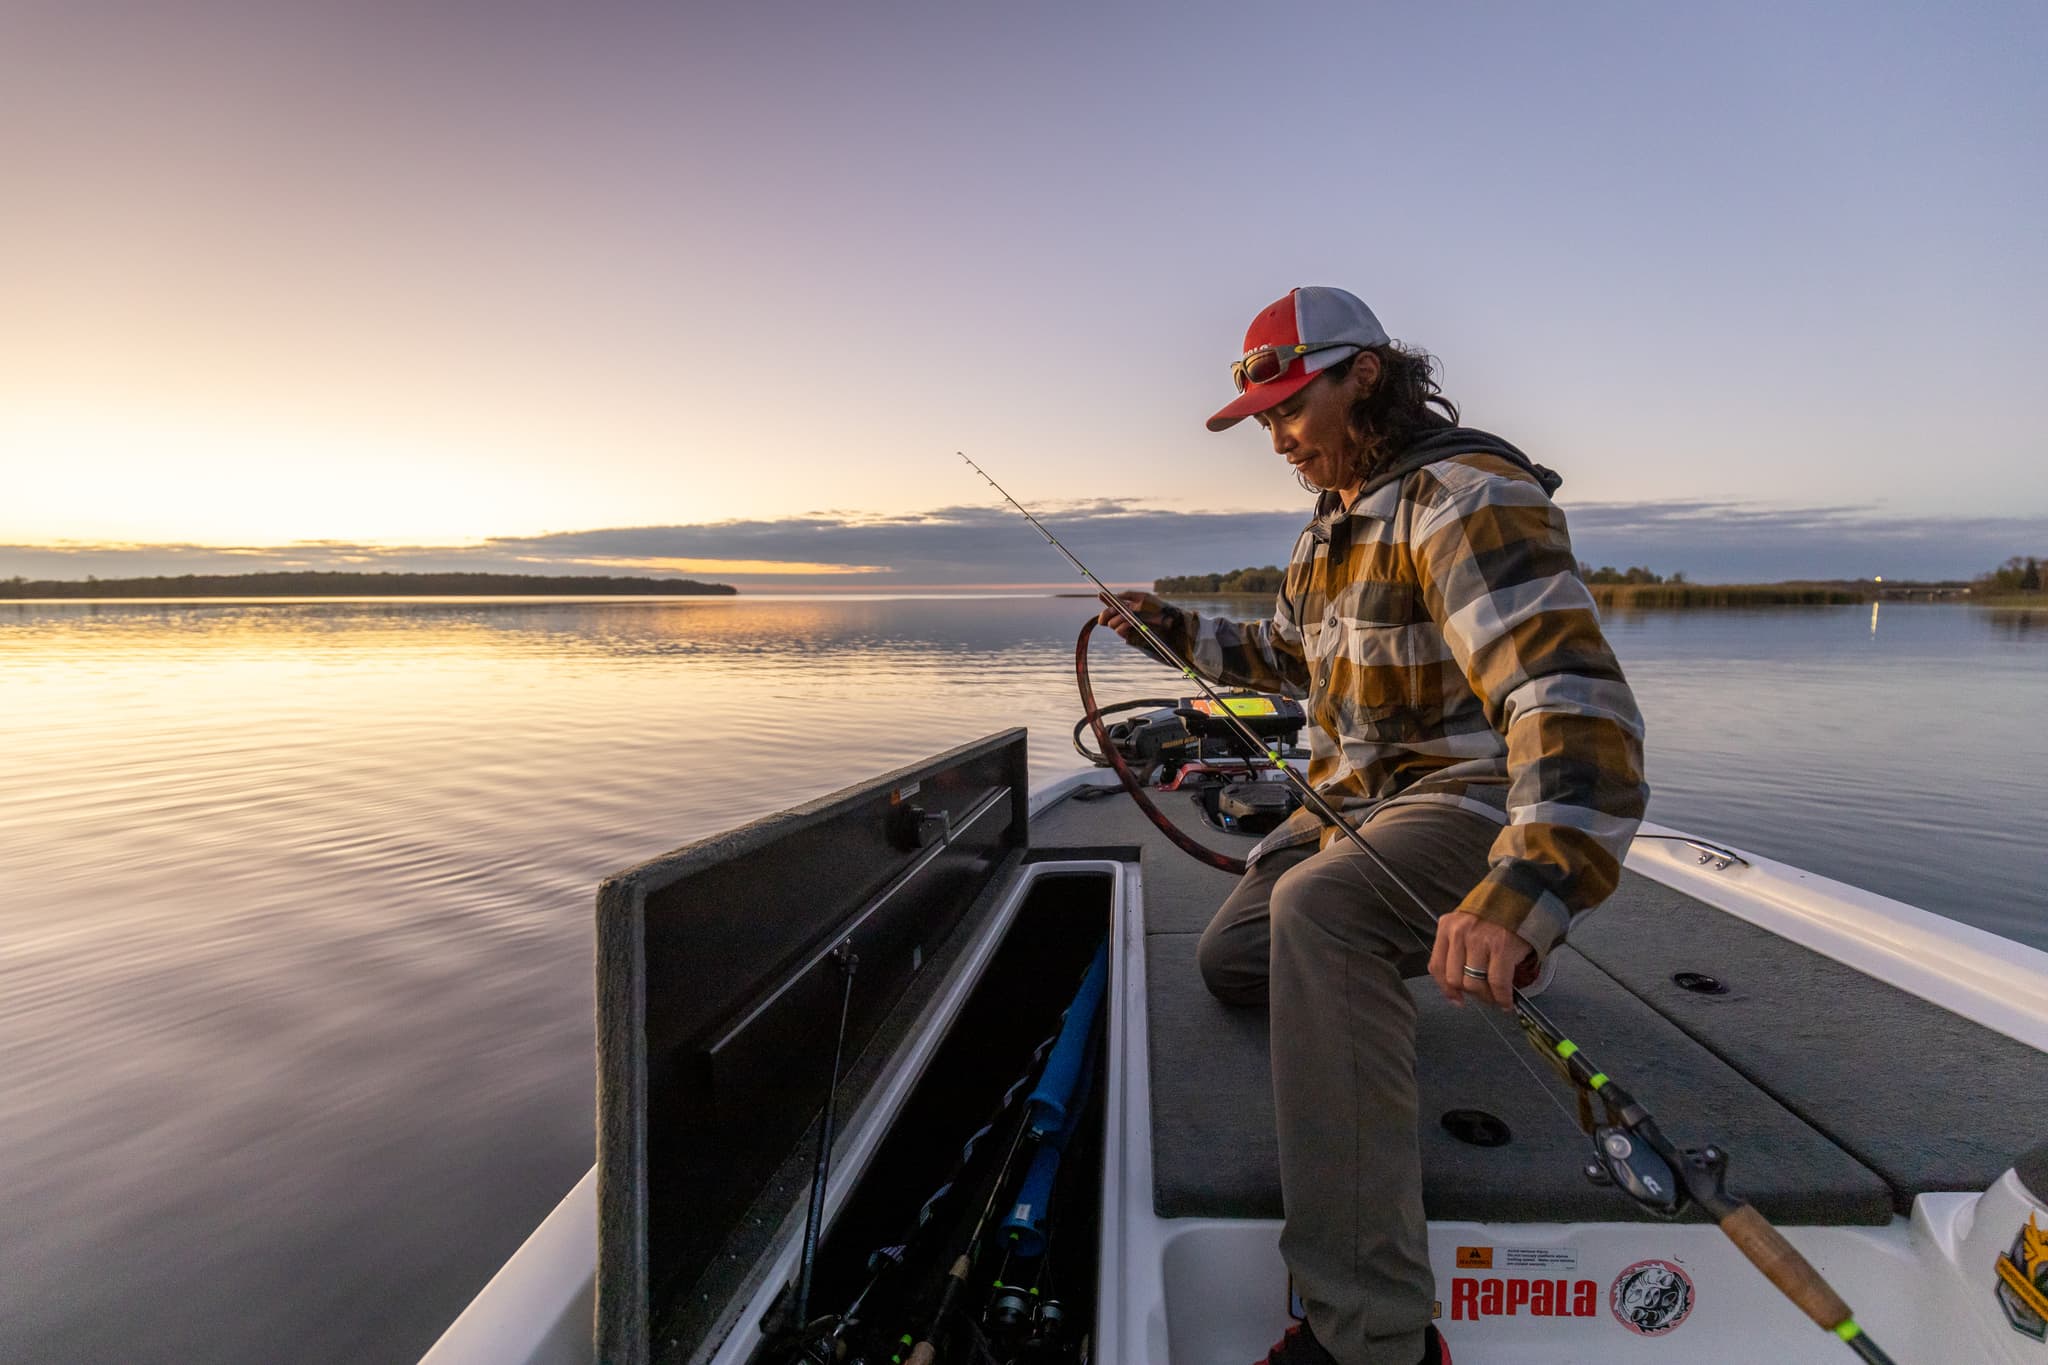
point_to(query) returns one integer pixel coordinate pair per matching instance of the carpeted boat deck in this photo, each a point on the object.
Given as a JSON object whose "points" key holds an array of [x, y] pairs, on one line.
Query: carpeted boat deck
{"points": [[1794, 1071], [1927, 1099]]}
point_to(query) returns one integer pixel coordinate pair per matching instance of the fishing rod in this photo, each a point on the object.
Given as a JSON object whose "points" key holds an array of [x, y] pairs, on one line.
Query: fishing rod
{"points": [[807, 1341], [1632, 1151], [1029, 1316], [1048, 1116], [1041, 1107], [925, 1351], [892, 1260], [822, 1170]]}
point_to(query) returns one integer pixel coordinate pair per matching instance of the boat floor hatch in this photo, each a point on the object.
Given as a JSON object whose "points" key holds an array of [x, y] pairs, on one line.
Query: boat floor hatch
{"points": [[719, 997]]}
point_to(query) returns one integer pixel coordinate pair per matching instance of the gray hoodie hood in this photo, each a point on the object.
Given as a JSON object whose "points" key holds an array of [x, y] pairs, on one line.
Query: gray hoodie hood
{"points": [[1442, 444]]}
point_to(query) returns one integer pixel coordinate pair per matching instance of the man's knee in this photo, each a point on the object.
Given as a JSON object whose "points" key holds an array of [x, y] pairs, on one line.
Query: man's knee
{"points": [[1304, 898], [1333, 904], [1231, 969]]}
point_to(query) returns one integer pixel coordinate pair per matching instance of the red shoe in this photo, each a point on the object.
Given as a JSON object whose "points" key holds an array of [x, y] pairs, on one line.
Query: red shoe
{"points": [[1300, 1347]]}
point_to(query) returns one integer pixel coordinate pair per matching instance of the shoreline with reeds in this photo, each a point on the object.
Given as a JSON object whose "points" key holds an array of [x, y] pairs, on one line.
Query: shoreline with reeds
{"points": [[1626, 595], [1691, 596]]}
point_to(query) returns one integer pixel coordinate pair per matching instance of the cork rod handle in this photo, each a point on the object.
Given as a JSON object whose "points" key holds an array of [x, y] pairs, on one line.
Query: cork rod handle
{"points": [[1784, 1267]]}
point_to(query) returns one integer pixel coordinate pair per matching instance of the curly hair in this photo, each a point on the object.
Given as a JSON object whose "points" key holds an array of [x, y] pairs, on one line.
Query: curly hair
{"points": [[1397, 410]]}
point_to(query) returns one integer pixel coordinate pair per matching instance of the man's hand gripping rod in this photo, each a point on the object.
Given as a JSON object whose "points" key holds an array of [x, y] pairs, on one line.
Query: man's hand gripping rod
{"points": [[1694, 1176]]}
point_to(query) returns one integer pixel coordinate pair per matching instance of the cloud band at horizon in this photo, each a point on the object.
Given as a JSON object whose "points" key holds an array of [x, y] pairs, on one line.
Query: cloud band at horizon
{"points": [[986, 547]]}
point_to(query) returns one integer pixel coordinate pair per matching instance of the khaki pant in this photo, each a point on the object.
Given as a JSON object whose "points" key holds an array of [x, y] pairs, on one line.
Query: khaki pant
{"points": [[1309, 936]]}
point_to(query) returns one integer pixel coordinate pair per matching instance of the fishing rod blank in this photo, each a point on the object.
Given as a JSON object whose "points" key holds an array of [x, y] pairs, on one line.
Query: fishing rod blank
{"points": [[822, 1171], [1776, 1258]]}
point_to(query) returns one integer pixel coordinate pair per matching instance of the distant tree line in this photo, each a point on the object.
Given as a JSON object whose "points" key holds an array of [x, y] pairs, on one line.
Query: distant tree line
{"points": [[2015, 575], [1263, 580], [1633, 576], [1270, 578], [327, 584], [1674, 592]]}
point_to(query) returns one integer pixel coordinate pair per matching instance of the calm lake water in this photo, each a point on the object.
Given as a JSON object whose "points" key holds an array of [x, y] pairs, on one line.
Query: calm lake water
{"points": [[295, 998]]}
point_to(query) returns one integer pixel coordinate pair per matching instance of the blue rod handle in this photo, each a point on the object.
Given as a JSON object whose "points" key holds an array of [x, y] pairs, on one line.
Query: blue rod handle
{"points": [[1056, 1085], [1025, 1227]]}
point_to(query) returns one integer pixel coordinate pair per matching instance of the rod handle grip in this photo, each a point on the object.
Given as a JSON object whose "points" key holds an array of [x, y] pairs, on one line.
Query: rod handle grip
{"points": [[1784, 1267], [924, 1354]]}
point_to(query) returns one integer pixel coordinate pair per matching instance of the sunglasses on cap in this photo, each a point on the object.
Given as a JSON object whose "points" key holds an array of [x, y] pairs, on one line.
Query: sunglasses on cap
{"points": [[1268, 363]]}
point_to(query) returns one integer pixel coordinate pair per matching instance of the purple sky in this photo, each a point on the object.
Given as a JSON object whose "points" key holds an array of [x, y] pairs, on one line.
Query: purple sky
{"points": [[491, 279]]}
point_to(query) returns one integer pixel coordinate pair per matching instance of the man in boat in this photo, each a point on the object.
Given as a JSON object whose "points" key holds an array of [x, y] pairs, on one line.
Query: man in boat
{"points": [[1468, 717]]}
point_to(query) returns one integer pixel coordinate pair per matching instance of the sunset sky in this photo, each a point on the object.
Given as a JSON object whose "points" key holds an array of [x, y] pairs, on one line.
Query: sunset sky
{"points": [[720, 289]]}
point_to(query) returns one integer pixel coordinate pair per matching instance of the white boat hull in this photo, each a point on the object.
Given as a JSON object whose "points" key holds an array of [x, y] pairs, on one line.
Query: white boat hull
{"points": [[1212, 1291]]}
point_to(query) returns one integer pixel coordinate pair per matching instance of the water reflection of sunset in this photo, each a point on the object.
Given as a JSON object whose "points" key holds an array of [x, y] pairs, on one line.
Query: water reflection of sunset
{"points": [[300, 888], [297, 890]]}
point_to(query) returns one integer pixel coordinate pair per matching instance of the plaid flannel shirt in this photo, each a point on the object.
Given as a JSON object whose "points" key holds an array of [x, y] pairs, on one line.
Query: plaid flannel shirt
{"points": [[1449, 652]]}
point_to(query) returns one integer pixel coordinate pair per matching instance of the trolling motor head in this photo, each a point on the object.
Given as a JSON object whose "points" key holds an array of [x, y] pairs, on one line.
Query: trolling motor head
{"points": [[1184, 727], [1193, 730], [1188, 745], [1190, 738]]}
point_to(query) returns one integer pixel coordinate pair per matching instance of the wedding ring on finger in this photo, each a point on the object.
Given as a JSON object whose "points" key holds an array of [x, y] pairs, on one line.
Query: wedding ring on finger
{"points": [[1475, 973]]}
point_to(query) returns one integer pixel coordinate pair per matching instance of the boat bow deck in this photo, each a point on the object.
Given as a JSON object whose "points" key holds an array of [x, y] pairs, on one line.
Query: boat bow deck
{"points": [[1823, 1083]]}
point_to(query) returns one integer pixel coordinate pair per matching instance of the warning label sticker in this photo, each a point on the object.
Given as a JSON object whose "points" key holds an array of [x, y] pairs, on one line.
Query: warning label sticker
{"points": [[1538, 1258], [1542, 1260]]}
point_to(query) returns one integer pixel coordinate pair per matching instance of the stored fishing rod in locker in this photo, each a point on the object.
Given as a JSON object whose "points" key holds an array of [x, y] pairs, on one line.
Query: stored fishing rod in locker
{"points": [[931, 1297], [849, 1335], [1049, 1117], [1030, 1315]]}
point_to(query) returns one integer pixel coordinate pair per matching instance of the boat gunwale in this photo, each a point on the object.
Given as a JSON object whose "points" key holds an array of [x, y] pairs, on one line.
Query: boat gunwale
{"points": [[1986, 978], [1976, 974]]}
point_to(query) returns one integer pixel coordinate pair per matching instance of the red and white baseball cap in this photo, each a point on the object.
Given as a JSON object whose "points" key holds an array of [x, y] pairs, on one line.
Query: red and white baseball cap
{"points": [[1311, 329]]}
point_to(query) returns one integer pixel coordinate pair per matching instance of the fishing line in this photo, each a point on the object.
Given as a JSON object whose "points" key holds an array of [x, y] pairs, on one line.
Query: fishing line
{"points": [[1272, 753], [1697, 1173], [1484, 1013], [1172, 660]]}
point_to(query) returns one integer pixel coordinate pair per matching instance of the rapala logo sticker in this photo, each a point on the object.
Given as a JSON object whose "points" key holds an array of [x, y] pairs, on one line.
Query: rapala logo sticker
{"points": [[2023, 1282], [1473, 1298], [1651, 1298]]}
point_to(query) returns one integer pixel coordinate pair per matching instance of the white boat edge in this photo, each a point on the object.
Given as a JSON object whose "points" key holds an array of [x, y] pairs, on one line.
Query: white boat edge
{"points": [[537, 1310]]}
